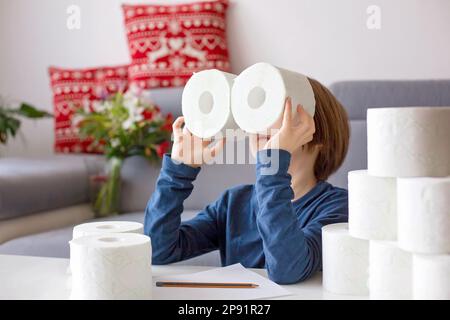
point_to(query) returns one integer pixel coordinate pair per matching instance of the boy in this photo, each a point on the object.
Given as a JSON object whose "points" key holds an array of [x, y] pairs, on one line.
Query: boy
{"points": [[275, 223]]}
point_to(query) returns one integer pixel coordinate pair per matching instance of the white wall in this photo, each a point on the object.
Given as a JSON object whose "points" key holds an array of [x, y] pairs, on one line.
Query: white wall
{"points": [[326, 39]]}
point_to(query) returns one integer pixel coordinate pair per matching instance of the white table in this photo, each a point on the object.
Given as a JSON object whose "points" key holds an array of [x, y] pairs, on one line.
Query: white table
{"points": [[23, 277]]}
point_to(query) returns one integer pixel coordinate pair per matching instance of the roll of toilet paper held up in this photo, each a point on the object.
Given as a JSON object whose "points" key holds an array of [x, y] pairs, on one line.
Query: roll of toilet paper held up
{"points": [[101, 227], [424, 215], [206, 103], [259, 94], [111, 266], [408, 142], [345, 261], [431, 277], [390, 271], [372, 206]]}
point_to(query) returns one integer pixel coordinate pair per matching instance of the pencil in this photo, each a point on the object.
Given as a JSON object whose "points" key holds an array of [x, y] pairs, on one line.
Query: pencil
{"points": [[228, 285]]}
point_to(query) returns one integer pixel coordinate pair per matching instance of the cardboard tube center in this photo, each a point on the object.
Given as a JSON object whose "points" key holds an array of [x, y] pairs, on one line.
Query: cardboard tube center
{"points": [[256, 97], [109, 239], [107, 226], [206, 102]]}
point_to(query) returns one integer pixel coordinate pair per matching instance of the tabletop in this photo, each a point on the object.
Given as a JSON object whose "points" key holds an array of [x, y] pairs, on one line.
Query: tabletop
{"points": [[25, 277]]}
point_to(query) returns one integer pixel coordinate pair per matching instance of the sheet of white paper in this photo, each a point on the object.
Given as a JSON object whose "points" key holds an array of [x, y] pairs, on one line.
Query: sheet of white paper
{"points": [[233, 273]]}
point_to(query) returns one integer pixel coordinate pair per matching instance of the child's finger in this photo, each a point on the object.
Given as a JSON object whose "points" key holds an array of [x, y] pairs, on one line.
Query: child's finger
{"points": [[306, 121], [206, 142], [177, 126], [218, 147], [262, 141], [287, 116], [186, 131]]}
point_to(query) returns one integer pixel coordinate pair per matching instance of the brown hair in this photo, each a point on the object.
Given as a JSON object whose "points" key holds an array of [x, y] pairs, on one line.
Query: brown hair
{"points": [[332, 132]]}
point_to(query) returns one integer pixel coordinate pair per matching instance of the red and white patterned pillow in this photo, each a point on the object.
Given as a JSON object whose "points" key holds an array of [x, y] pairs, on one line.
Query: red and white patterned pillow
{"points": [[168, 43], [76, 88]]}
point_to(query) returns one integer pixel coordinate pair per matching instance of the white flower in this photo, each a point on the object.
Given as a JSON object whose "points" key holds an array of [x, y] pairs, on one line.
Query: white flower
{"points": [[76, 120], [127, 123], [115, 143], [139, 110], [135, 103], [133, 117], [131, 104], [99, 106], [144, 97], [108, 105], [130, 94], [86, 105]]}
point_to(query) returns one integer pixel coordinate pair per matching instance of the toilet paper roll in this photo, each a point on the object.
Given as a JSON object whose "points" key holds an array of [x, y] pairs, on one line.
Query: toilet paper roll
{"points": [[345, 261], [424, 214], [259, 95], [103, 227], [206, 103], [408, 142], [372, 206], [390, 271], [431, 277], [111, 266], [92, 228]]}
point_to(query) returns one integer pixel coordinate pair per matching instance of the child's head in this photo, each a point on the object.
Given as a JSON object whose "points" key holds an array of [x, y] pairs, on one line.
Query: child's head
{"points": [[332, 134], [326, 152]]}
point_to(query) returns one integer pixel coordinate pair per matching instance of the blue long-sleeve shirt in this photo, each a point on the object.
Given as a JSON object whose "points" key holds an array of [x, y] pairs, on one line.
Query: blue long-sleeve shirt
{"points": [[256, 225]]}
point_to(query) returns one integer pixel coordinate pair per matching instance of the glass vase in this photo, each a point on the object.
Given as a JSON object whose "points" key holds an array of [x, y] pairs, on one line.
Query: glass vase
{"points": [[107, 202]]}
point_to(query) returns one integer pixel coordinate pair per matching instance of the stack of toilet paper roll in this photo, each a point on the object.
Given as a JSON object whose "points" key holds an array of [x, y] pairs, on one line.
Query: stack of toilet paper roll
{"points": [[110, 260], [397, 242], [214, 101]]}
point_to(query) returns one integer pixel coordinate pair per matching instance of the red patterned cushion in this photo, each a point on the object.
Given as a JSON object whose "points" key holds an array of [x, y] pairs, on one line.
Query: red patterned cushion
{"points": [[75, 88], [168, 43]]}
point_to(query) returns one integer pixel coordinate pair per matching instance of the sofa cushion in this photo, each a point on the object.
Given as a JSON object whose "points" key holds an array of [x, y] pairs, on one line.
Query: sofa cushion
{"points": [[169, 42], [77, 88], [32, 185], [168, 99], [55, 243], [357, 154], [44, 221], [357, 96]]}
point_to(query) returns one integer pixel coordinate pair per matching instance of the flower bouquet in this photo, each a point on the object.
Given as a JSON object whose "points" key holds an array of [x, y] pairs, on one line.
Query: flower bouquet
{"points": [[123, 125]]}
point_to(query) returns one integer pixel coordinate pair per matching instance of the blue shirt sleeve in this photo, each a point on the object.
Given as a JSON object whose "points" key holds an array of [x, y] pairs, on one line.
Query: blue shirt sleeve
{"points": [[292, 253], [173, 240]]}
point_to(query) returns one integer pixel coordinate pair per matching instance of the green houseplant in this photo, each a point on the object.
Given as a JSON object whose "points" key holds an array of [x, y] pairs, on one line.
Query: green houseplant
{"points": [[10, 121]]}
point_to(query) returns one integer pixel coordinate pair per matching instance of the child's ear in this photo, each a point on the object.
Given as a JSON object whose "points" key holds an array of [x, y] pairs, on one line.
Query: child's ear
{"points": [[319, 146], [314, 147]]}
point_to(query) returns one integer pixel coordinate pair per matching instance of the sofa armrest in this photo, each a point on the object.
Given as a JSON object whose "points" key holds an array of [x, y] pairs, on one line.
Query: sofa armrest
{"points": [[44, 221], [30, 185]]}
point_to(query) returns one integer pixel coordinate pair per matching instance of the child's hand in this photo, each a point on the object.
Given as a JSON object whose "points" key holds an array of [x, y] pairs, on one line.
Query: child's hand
{"points": [[290, 137], [191, 150]]}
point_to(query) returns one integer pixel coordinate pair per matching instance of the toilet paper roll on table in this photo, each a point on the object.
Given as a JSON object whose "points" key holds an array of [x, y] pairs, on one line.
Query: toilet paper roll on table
{"points": [[408, 142], [206, 103], [104, 227], [372, 206], [259, 94], [424, 214], [111, 266], [390, 271], [92, 228], [431, 277], [345, 261]]}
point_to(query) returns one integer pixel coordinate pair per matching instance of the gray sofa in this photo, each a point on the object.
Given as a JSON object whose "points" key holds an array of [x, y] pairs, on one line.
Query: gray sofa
{"points": [[139, 177]]}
